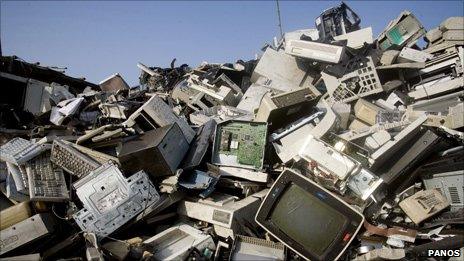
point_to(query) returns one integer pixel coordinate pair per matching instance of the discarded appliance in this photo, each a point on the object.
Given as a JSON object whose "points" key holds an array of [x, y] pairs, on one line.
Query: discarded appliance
{"points": [[329, 144], [110, 200], [336, 21], [228, 214], [424, 204], [158, 151], [26, 231], [240, 144], [249, 248], [288, 214], [175, 242]]}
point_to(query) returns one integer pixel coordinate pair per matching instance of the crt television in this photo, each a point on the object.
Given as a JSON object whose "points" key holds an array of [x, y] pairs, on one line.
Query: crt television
{"points": [[308, 218]]}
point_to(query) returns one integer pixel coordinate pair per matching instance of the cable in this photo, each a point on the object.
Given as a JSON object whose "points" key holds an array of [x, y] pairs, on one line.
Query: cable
{"points": [[118, 240], [54, 213]]}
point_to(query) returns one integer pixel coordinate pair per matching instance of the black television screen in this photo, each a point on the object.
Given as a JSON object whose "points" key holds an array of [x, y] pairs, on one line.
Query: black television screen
{"points": [[296, 203], [307, 218]]}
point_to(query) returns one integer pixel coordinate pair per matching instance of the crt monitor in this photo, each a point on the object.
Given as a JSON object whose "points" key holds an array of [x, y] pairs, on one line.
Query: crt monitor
{"points": [[308, 218]]}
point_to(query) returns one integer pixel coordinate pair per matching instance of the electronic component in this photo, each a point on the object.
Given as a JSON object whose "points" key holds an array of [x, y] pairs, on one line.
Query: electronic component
{"points": [[281, 71], [454, 119], [357, 125], [287, 142], [222, 95], [70, 159], [389, 57], [247, 188], [175, 242], [276, 108], [12, 192], [364, 183], [367, 111], [199, 145], [356, 39], [405, 30], [64, 109], [308, 218], [225, 212], [18, 151], [240, 144], [356, 133], [337, 170], [158, 151], [191, 97], [327, 160], [383, 254], [296, 35], [361, 80], [19, 177], [327, 124], [439, 104], [252, 98], [113, 83], [21, 95], [437, 87], [114, 110], [110, 200], [446, 163], [199, 180], [46, 180], [92, 251], [32, 95], [377, 139], [452, 23], [441, 68], [222, 251], [252, 248], [281, 133], [285, 99], [26, 231], [424, 204], [97, 156], [248, 174], [454, 35], [156, 113], [392, 146], [450, 184], [410, 156], [433, 35], [337, 20], [220, 114], [415, 55], [315, 51], [93, 133], [389, 116], [166, 200]]}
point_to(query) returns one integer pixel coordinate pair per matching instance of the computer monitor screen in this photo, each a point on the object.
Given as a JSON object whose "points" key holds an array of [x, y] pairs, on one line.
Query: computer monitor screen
{"points": [[296, 203], [307, 218]]}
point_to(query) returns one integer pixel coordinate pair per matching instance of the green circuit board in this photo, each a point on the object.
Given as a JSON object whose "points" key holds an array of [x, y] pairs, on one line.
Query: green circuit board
{"points": [[245, 140]]}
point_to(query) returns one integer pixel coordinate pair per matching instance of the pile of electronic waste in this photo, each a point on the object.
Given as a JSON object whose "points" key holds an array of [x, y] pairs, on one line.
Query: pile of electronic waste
{"points": [[332, 145]]}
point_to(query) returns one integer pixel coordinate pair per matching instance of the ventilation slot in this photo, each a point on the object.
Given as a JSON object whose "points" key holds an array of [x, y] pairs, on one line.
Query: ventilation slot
{"points": [[454, 195]]}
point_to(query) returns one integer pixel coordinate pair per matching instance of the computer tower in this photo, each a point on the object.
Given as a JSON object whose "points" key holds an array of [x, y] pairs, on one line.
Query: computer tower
{"points": [[159, 151]]}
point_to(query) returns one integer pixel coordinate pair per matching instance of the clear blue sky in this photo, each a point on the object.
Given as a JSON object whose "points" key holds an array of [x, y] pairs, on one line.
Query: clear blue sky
{"points": [[97, 39]]}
